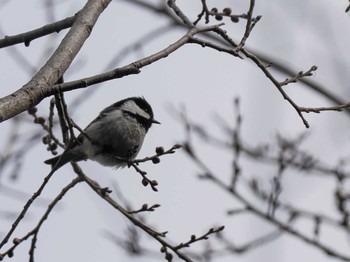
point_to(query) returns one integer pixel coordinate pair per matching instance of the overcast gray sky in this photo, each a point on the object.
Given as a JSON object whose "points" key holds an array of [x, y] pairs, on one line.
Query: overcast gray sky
{"points": [[300, 33]]}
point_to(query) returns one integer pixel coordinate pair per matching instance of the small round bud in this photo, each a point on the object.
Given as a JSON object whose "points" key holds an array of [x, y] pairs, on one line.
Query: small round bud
{"points": [[162, 249], [218, 17], [169, 256], [227, 11], [53, 146], [154, 183], [39, 120], [32, 110], [221, 228], [193, 237], [144, 182], [144, 206], [214, 10], [235, 19], [16, 240], [155, 160], [159, 150], [10, 253], [46, 140]]}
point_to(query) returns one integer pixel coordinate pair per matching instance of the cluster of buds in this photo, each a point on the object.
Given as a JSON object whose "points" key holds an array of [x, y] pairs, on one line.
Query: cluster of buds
{"points": [[227, 11]]}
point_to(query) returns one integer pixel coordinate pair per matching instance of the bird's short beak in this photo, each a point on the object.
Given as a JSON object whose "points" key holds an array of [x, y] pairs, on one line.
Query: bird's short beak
{"points": [[155, 121]]}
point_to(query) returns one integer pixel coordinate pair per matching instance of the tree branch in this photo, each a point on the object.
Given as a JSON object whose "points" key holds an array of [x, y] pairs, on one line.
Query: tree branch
{"points": [[104, 194], [36, 89], [27, 37], [133, 68], [208, 174]]}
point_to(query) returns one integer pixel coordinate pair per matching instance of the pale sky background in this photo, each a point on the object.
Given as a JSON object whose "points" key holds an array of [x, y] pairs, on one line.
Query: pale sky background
{"points": [[298, 32]]}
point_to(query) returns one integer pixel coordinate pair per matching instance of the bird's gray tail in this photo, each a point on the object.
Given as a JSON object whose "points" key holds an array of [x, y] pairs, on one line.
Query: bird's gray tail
{"points": [[60, 160]]}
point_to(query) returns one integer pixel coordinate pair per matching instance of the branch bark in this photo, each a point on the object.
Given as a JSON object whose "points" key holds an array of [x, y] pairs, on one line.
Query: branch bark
{"points": [[27, 37], [132, 68], [35, 90]]}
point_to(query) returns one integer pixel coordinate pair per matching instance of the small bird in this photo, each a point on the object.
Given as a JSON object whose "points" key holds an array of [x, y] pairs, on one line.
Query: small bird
{"points": [[114, 137]]}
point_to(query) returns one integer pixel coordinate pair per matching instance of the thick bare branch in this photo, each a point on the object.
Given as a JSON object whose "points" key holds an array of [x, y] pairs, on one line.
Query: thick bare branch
{"points": [[36, 89]]}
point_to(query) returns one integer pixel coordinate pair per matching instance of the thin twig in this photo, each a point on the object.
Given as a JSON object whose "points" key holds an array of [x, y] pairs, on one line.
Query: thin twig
{"points": [[26, 208], [205, 236], [159, 236], [34, 232], [209, 175], [267, 73], [249, 25], [145, 208], [155, 160], [180, 14], [27, 37], [299, 76], [320, 109], [133, 68]]}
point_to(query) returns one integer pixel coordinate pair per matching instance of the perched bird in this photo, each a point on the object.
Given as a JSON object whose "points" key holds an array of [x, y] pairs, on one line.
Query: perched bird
{"points": [[115, 135]]}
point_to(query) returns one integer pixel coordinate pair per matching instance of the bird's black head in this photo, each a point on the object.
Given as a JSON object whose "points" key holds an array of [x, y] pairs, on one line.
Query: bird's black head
{"points": [[138, 108]]}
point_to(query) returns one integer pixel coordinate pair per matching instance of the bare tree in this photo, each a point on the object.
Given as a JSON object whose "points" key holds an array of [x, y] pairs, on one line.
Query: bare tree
{"points": [[253, 195]]}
